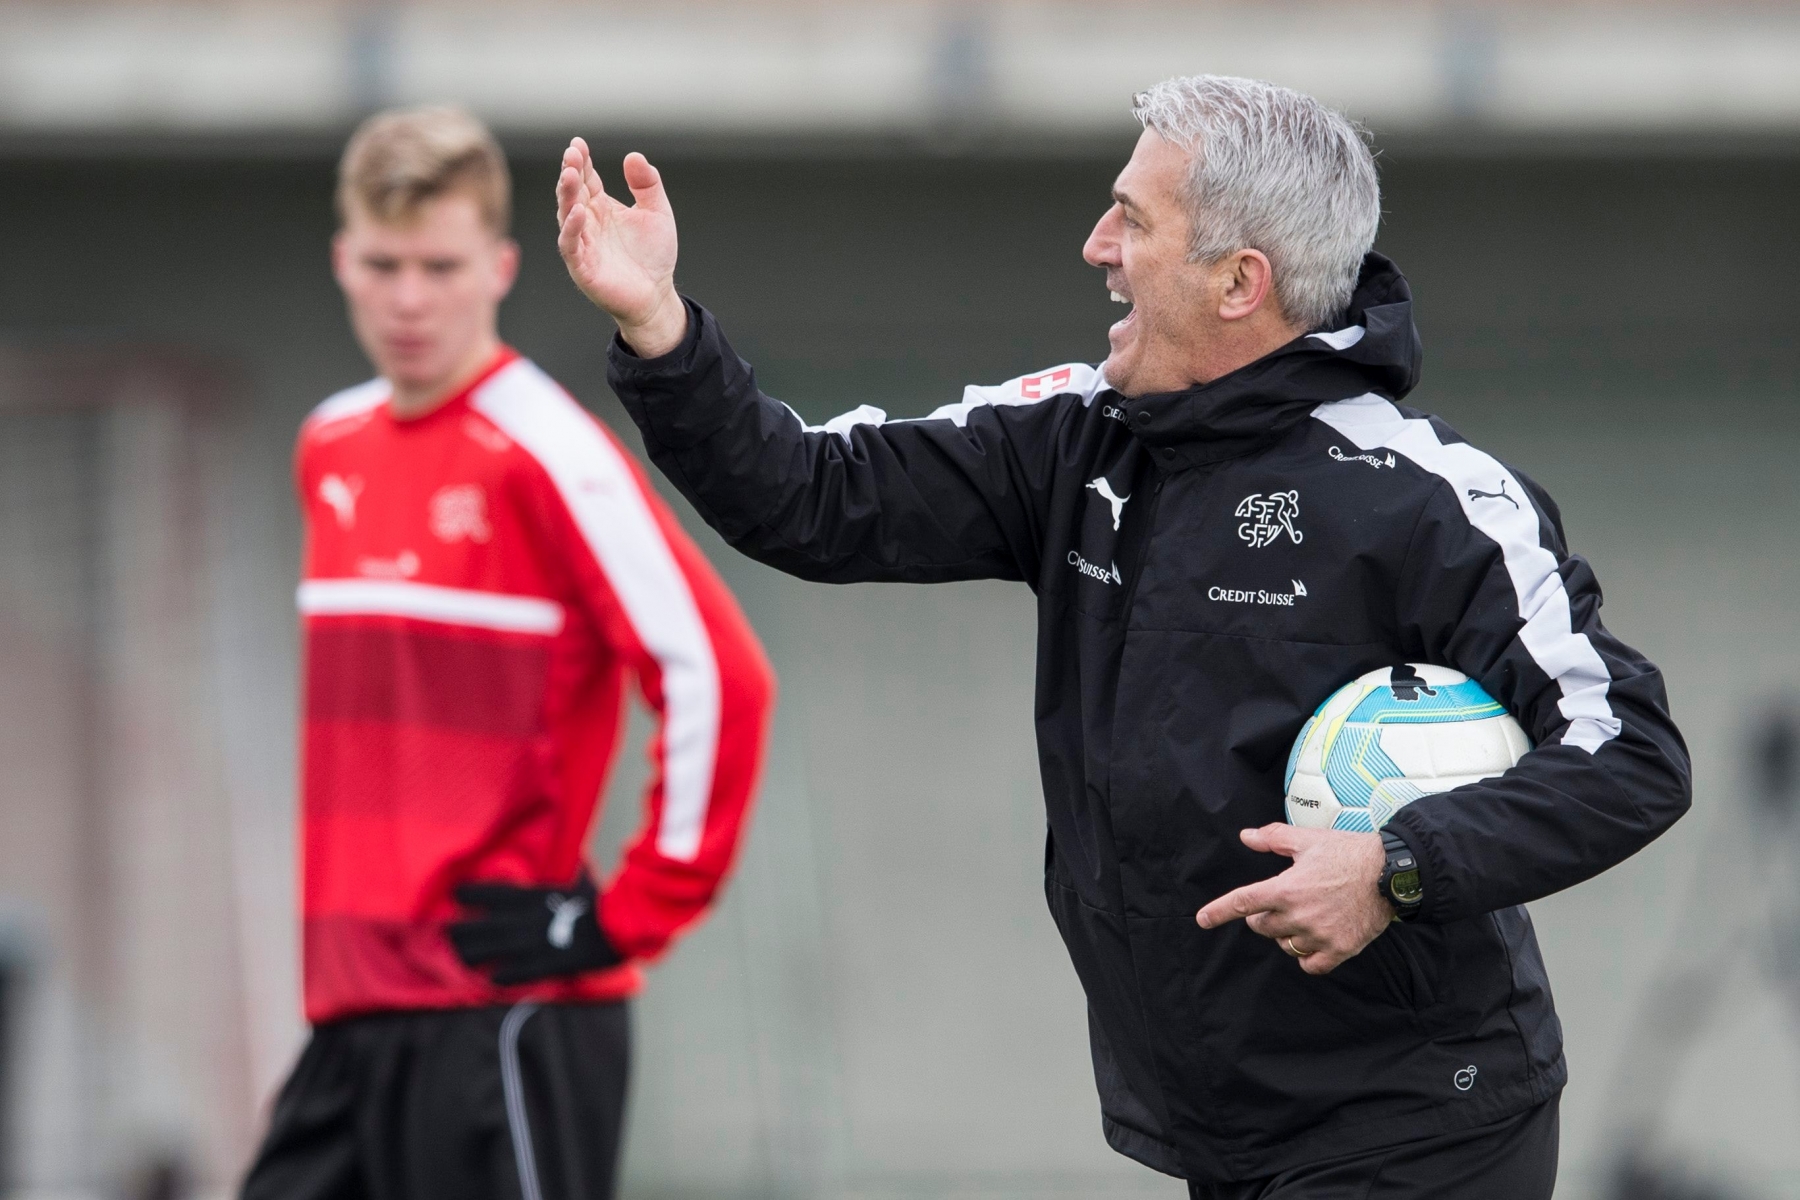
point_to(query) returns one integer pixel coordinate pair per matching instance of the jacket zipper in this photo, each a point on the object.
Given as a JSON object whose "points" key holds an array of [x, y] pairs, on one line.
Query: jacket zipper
{"points": [[1137, 571]]}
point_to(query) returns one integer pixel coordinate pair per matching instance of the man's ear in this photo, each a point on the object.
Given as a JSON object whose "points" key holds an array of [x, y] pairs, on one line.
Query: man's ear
{"points": [[340, 256], [1247, 282], [506, 267]]}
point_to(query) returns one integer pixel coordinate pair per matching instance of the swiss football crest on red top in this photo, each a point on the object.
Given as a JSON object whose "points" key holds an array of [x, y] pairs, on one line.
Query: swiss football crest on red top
{"points": [[459, 512]]}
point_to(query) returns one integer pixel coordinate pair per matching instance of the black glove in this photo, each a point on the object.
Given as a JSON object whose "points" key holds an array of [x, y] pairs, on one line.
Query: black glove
{"points": [[531, 933]]}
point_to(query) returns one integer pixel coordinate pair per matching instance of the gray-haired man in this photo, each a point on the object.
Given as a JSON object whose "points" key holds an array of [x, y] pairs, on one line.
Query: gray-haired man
{"points": [[1223, 523]]}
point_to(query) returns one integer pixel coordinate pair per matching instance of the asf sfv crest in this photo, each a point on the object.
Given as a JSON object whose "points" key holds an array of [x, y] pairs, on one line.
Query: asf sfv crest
{"points": [[1268, 517]]}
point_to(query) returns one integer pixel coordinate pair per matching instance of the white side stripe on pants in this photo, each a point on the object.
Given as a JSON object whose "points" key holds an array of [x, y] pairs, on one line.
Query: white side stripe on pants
{"points": [[513, 1085]]}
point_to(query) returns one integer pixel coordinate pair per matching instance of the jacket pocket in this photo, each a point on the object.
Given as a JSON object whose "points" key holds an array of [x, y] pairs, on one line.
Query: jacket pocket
{"points": [[1411, 960]]}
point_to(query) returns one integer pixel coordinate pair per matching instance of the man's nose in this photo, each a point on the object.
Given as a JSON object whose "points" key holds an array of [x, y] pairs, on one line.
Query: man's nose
{"points": [[410, 289], [1102, 248]]}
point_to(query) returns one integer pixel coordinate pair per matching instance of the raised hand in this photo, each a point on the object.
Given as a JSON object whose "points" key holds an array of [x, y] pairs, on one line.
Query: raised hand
{"points": [[1325, 908], [622, 256]]}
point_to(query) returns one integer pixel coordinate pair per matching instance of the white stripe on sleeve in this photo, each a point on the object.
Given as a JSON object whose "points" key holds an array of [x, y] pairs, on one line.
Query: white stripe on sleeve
{"points": [[351, 401], [602, 496], [428, 602], [1496, 504], [1079, 379]]}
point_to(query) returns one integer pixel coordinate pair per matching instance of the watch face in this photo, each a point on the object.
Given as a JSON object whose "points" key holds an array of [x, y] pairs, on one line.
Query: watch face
{"points": [[1405, 888]]}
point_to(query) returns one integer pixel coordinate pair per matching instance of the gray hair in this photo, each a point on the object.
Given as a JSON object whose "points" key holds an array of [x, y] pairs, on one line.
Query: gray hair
{"points": [[1274, 170]]}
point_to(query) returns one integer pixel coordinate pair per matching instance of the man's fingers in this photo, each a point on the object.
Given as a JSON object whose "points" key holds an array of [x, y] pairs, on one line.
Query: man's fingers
{"points": [[1322, 962], [1296, 940], [590, 175], [1251, 898], [1272, 924], [579, 183], [581, 160], [497, 897], [568, 238], [1315, 953], [568, 191], [645, 182], [576, 169], [1278, 839], [572, 196]]}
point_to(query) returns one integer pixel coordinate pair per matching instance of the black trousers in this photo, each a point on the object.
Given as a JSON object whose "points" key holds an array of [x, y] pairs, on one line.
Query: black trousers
{"points": [[520, 1103], [1514, 1159]]}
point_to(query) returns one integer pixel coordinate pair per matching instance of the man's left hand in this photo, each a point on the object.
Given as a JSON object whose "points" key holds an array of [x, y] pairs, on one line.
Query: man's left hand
{"points": [[1325, 908], [524, 934]]}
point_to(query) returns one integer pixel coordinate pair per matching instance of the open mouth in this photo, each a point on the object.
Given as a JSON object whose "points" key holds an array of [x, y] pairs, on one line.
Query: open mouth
{"points": [[1119, 297]]}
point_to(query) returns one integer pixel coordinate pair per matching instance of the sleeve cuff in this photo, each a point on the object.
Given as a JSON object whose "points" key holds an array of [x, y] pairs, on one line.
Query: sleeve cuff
{"points": [[1431, 874], [625, 360]]}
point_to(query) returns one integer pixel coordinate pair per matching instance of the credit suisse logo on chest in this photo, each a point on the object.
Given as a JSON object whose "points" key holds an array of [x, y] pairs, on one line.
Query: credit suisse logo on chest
{"points": [[1269, 518]]}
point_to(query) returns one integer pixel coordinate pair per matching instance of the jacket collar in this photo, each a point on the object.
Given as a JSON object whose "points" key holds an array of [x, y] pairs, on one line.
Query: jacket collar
{"points": [[1376, 350]]}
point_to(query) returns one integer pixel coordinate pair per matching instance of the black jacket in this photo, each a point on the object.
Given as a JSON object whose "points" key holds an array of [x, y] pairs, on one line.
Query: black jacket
{"points": [[1209, 566]]}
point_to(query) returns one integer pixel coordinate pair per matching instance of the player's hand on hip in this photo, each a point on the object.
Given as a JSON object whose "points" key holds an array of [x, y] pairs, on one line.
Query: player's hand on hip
{"points": [[622, 256], [522, 934], [1323, 910]]}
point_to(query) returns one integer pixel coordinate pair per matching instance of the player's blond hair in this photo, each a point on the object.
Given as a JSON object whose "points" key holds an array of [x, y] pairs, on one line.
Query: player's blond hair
{"points": [[398, 160]]}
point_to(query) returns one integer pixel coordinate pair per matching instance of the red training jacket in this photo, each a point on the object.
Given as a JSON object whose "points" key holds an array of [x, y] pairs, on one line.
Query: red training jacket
{"points": [[479, 585]]}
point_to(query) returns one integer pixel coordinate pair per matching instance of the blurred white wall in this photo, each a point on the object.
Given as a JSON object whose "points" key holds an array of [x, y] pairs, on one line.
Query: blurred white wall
{"points": [[1049, 68]]}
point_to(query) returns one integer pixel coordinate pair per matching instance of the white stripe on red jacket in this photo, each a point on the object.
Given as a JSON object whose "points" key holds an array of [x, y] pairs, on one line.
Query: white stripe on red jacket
{"points": [[481, 584]]}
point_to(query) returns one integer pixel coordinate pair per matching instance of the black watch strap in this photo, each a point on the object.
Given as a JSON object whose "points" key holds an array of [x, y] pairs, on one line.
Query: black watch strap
{"points": [[1400, 879]]}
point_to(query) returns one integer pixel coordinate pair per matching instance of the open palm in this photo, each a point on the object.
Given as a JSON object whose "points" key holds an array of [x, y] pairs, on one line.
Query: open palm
{"points": [[622, 256]]}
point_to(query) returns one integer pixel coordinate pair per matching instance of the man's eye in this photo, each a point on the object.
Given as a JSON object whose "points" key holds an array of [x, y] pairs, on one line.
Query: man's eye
{"points": [[442, 267]]}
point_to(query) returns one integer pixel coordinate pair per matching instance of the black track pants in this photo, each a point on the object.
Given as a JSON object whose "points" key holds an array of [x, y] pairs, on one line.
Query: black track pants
{"points": [[521, 1103], [1514, 1159]]}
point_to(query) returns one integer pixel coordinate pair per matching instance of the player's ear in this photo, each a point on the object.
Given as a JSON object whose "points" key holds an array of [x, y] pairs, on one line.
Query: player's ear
{"points": [[340, 256], [506, 267]]}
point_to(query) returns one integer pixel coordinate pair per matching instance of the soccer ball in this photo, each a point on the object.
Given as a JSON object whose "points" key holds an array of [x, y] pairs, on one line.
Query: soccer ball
{"points": [[1391, 736]]}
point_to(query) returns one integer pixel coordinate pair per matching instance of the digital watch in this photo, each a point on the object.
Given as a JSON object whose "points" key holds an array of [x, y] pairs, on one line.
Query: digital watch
{"points": [[1400, 881]]}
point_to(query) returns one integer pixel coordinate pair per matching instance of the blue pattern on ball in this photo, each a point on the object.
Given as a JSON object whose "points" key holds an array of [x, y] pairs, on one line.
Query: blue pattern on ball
{"points": [[1362, 785], [1464, 701], [1355, 764], [1287, 780]]}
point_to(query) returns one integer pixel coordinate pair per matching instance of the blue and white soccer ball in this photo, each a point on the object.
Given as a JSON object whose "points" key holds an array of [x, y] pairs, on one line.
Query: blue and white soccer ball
{"points": [[1391, 736]]}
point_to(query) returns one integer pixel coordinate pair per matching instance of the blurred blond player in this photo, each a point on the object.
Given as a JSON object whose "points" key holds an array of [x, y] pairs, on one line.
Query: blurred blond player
{"points": [[485, 572]]}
